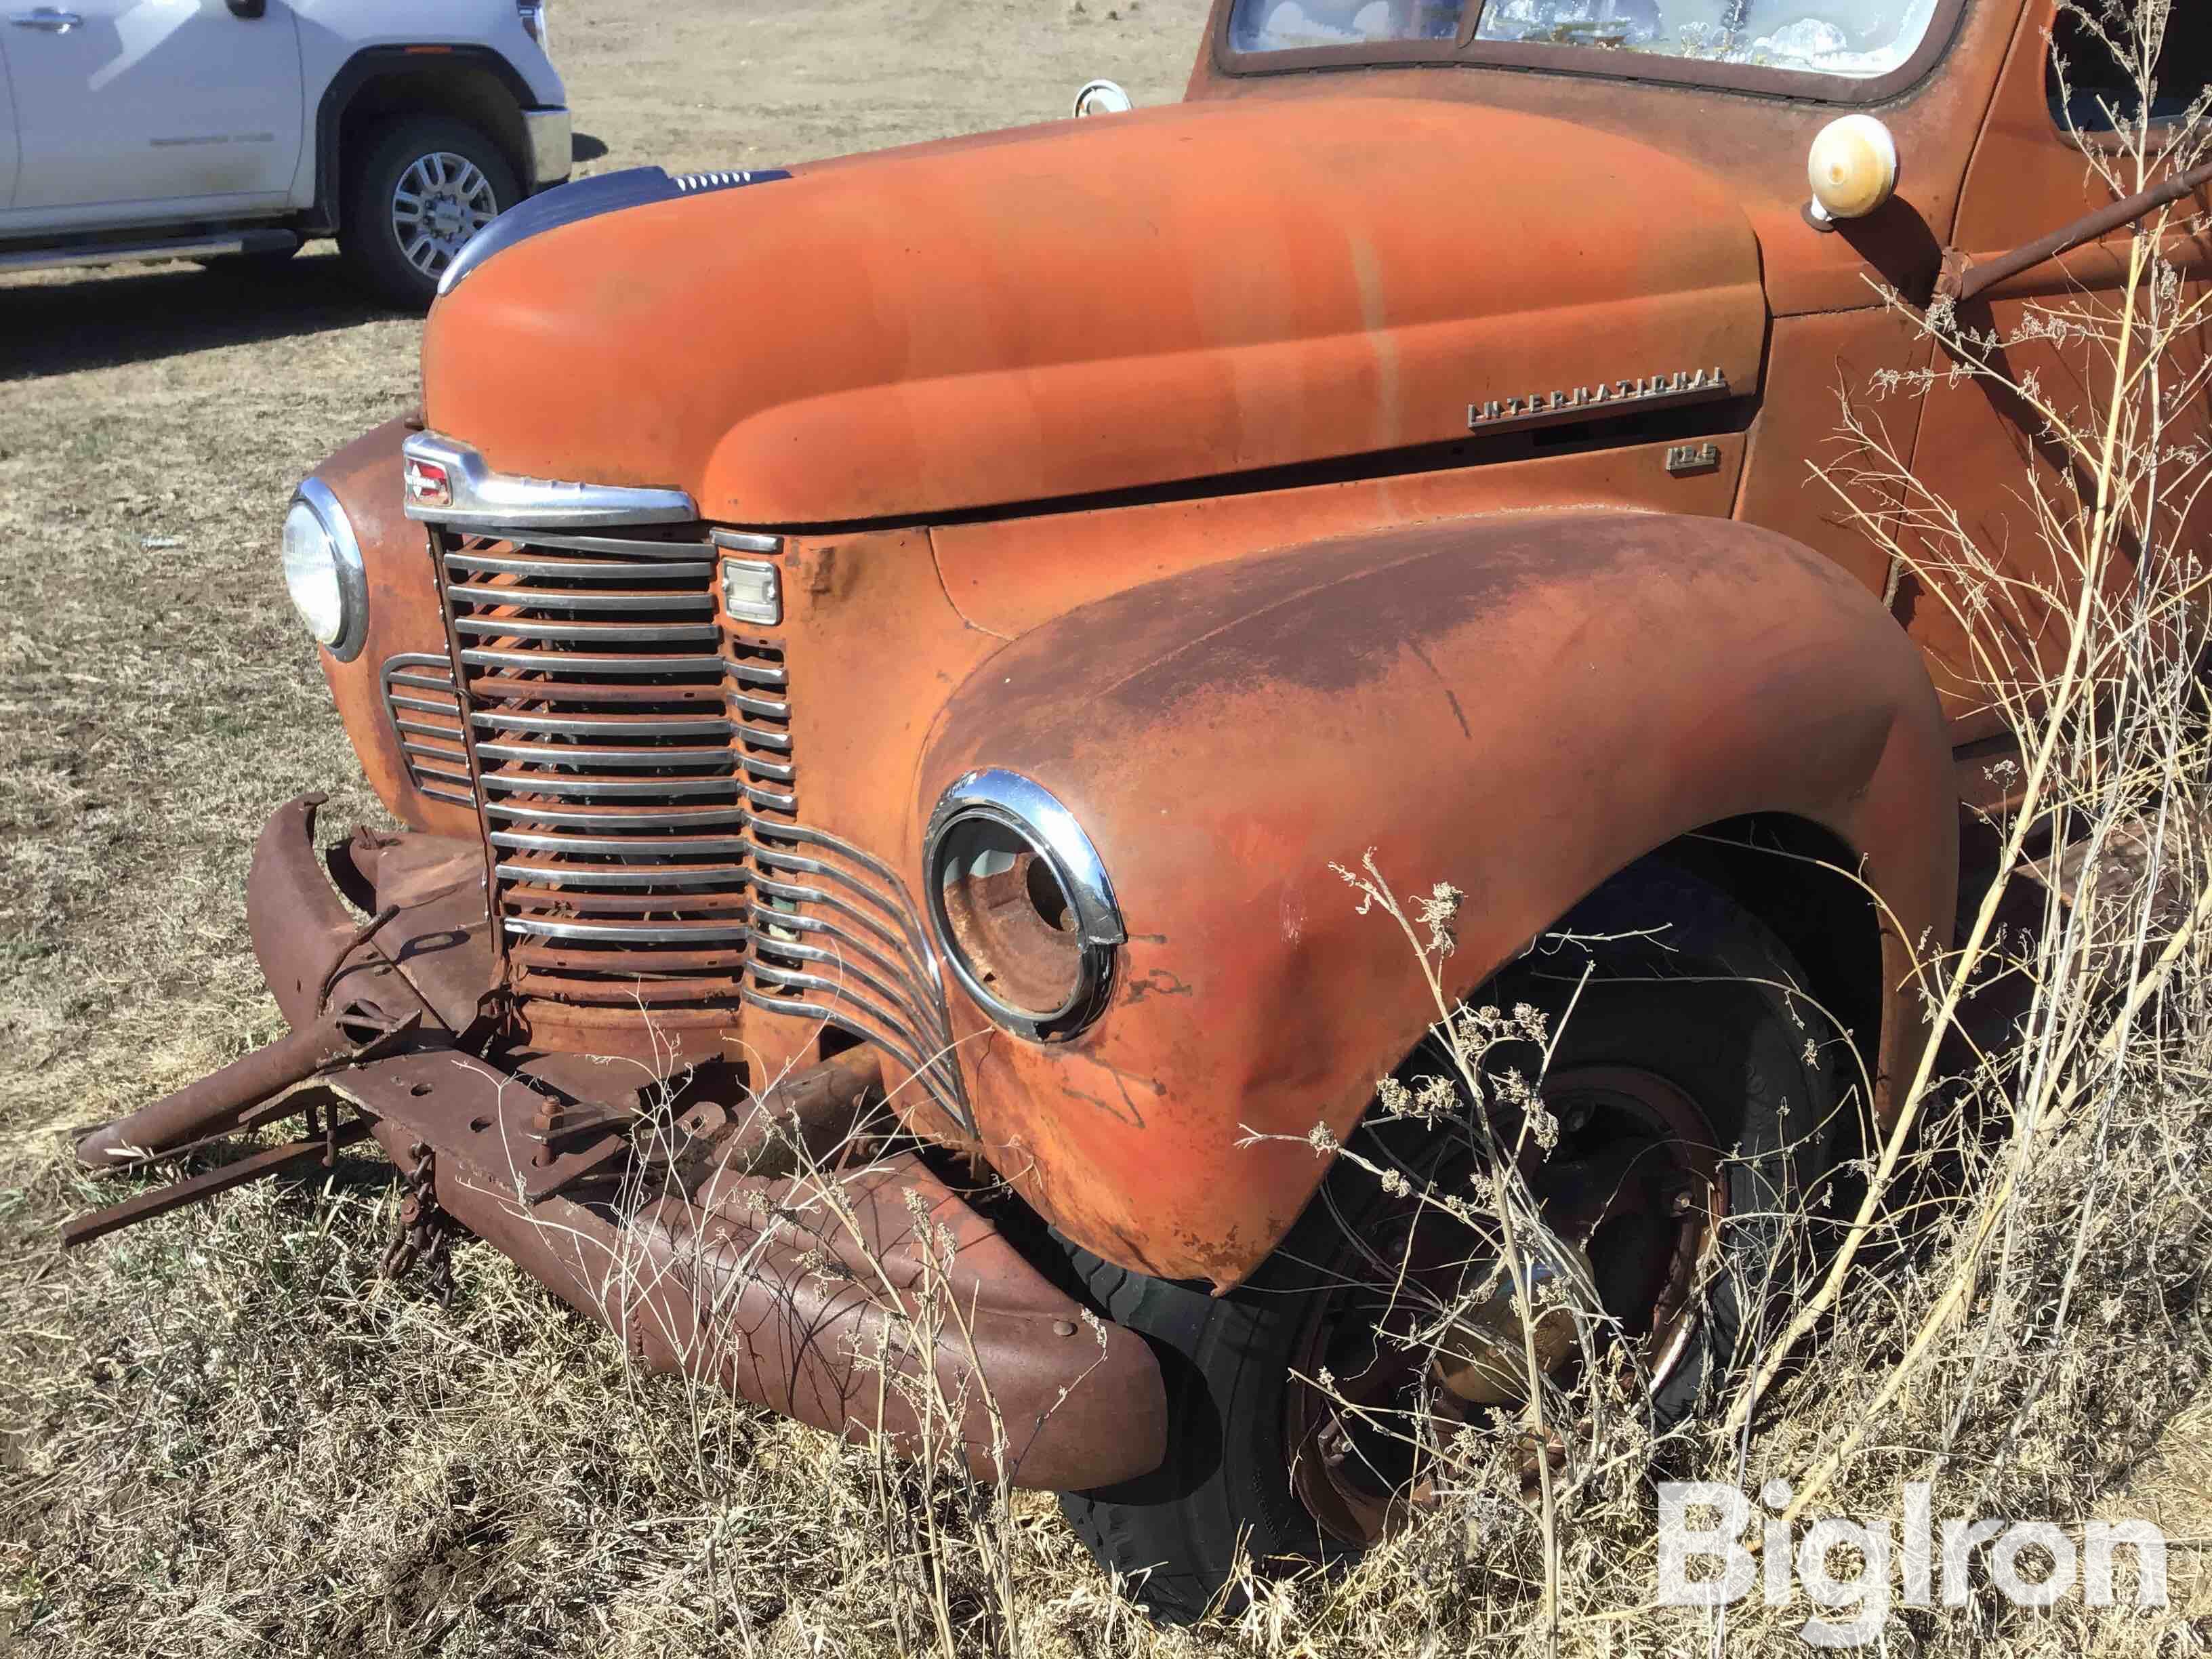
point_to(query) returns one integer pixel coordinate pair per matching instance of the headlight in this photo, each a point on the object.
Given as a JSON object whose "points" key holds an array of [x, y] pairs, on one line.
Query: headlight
{"points": [[323, 570], [1020, 905]]}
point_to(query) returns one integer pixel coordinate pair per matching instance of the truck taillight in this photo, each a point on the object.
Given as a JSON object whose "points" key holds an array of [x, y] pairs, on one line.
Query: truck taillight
{"points": [[533, 13]]}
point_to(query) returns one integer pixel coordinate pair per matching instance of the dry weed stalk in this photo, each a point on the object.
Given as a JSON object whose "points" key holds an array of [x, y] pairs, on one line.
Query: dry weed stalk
{"points": [[2013, 1310], [2010, 1309]]}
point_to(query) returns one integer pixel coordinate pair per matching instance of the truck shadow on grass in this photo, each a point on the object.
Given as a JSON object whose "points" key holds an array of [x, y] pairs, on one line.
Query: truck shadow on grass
{"points": [[144, 314]]}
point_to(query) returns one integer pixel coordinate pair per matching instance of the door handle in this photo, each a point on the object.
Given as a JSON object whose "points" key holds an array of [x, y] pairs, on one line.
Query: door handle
{"points": [[46, 19]]}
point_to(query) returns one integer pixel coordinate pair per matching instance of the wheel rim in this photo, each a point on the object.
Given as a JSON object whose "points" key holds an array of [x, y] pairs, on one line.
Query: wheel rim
{"points": [[441, 201], [1633, 1196]]}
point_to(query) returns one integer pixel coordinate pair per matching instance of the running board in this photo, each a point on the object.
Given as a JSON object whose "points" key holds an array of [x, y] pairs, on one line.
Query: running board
{"points": [[185, 247]]}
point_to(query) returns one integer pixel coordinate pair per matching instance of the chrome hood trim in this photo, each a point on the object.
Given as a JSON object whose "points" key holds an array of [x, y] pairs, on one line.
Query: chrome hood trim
{"points": [[482, 499], [587, 198]]}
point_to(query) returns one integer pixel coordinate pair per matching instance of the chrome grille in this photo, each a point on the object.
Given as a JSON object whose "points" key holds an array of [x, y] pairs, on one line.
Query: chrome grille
{"points": [[419, 700], [632, 747], [605, 760], [837, 938]]}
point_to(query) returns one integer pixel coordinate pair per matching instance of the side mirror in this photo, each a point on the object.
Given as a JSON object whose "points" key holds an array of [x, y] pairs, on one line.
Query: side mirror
{"points": [[1102, 98], [1852, 169]]}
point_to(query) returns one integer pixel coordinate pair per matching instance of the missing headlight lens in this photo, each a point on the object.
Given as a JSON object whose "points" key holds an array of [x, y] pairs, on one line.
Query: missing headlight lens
{"points": [[1009, 917], [1021, 906]]}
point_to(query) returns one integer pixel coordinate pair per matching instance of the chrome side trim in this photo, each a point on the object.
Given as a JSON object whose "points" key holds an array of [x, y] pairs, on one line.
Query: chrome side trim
{"points": [[935, 1072], [768, 857], [773, 771], [811, 938], [435, 751], [760, 736], [765, 920], [766, 708], [480, 499]]}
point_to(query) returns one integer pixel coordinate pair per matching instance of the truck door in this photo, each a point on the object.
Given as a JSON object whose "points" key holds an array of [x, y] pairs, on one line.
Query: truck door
{"points": [[143, 108], [6, 132], [1986, 453]]}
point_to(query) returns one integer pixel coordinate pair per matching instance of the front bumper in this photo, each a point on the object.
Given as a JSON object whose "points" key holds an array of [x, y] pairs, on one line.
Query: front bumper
{"points": [[551, 137], [865, 1299]]}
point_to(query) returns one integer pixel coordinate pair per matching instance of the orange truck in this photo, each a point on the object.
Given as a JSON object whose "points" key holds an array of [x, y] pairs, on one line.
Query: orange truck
{"points": [[882, 665]]}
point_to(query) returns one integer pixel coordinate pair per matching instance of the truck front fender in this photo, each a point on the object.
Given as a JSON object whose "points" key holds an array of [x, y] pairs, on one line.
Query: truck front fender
{"points": [[405, 635], [1520, 706]]}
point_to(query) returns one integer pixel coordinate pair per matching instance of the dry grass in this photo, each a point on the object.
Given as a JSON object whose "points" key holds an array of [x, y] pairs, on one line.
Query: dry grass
{"points": [[223, 1432]]}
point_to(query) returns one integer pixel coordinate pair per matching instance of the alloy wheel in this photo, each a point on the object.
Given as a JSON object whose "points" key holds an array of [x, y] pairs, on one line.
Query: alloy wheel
{"points": [[441, 201]]}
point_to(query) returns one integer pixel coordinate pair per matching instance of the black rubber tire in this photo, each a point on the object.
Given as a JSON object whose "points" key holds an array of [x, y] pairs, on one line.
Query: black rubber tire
{"points": [[1173, 1535], [367, 240]]}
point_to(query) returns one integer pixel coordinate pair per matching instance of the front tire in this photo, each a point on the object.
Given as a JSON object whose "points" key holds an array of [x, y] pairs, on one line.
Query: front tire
{"points": [[423, 186], [1659, 1024]]}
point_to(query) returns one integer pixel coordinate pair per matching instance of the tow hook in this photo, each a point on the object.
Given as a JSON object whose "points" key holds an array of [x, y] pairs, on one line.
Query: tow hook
{"points": [[422, 1233]]}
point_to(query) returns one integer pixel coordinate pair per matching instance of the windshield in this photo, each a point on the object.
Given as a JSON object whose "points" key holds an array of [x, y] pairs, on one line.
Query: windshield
{"points": [[1859, 37]]}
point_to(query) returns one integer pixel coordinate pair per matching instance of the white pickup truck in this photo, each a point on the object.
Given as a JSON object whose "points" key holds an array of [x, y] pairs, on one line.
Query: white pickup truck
{"points": [[237, 129]]}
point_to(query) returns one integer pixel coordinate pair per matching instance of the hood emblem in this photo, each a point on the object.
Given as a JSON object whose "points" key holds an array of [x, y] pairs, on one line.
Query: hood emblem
{"points": [[1689, 385]]}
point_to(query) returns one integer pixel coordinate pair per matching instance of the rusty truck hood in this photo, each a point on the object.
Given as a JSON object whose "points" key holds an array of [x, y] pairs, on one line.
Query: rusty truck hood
{"points": [[1092, 305]]}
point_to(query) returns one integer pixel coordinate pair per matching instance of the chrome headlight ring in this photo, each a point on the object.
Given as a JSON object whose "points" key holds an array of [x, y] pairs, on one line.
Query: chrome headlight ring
{"points": [[328, 582], [1020, 905]]}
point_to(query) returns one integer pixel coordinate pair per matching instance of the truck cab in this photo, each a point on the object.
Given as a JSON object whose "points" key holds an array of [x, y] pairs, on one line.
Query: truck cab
{"points": [[237, 129], [957, 655]]}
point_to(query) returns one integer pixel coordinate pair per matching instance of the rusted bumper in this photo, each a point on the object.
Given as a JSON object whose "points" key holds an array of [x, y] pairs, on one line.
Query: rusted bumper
{"points": [[870, 1300], [873, 1299], [421, 967]]}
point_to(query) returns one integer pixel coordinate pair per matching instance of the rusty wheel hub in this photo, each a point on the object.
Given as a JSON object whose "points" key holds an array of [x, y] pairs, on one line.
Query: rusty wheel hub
{"points": [[1422, 1311]]}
